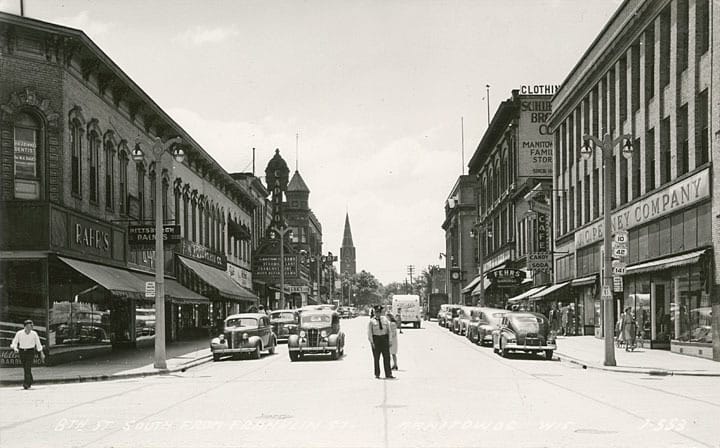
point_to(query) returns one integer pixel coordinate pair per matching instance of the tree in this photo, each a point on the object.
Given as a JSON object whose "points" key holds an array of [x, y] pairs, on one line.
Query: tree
{"points": [[366, 289]]}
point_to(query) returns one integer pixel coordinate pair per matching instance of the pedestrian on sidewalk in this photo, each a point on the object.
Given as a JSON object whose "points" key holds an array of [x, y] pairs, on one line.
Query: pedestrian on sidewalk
{"points": [[619, 340], [554, 318], [394, 327], [379, 337], [25, 343], [628, 329]]}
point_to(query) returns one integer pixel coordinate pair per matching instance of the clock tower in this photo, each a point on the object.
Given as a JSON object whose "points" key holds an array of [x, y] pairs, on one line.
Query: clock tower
{"points": [[347, 251]]}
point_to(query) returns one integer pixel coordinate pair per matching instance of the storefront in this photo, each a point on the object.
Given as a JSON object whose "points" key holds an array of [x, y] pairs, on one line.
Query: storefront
{"points": [[586, 304]]}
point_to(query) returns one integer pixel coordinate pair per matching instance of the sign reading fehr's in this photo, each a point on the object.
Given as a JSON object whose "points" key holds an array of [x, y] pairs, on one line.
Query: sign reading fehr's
{"points": [[673, 198]]}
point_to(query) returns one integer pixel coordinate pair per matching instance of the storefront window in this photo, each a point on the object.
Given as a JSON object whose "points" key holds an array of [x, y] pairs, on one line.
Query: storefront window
{"points": [[75, 323], [21, 297], [693, 312], [144, 321]]}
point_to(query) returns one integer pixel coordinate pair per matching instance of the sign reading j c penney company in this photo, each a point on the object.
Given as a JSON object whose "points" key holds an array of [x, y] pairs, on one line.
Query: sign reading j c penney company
{"points": [[673, 198]]}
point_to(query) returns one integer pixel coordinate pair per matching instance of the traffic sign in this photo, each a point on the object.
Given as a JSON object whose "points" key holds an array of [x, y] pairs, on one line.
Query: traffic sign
{"points": [[621, 237], [606, 293], [618, 284], [149, 289], [618, 267], [620, 251]]}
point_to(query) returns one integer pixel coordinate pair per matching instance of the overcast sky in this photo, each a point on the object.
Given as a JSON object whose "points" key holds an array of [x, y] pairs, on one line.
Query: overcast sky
{"points": [[375, 90]]}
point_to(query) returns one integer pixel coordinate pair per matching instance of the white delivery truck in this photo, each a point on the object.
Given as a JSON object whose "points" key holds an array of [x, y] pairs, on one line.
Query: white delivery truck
{"points": [[406, 308]]}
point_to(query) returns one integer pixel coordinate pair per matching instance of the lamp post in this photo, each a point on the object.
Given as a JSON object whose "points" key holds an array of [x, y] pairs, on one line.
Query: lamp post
{"points": [[481, 232], [158, 149], [281, 234], [606, 145]]}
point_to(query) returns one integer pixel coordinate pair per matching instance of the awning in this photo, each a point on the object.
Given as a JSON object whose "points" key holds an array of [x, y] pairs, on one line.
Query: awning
{"points": [[666, 263], [470, 286], [478, 289], [549, 290], [219, 280], [584, 281], [526, 294], [498, 266], [176, 292], [118, 281]]}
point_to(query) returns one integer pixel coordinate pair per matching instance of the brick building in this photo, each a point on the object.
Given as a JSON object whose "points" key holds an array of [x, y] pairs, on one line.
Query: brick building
{"points": [[460, 255], [70, 120]]}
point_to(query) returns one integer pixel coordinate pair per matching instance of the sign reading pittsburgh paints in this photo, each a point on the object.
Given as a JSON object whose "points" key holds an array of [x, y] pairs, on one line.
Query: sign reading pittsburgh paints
{"points": [[535, 141], [670, 199]]}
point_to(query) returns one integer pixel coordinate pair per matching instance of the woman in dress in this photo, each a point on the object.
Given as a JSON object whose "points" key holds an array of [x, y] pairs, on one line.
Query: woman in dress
{"points": [[394, 328], [628, 329]]}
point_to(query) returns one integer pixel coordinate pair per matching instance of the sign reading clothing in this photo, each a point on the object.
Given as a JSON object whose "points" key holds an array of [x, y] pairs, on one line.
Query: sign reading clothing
{"points": [[535, 141], [671, 199]]}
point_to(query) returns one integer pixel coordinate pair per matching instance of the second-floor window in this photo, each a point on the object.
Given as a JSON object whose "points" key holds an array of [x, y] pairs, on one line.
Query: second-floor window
{"points": [[141, 190], [123, 181], [76, 158], [94, 164], [109, 175]]}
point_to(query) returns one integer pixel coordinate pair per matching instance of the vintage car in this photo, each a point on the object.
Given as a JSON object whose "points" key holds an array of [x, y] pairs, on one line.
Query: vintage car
{"points": [[443, 313], [524, 331], [284, 323], [452, 316], [244, 333], [480, 330], [466, 315], [319, 334]]}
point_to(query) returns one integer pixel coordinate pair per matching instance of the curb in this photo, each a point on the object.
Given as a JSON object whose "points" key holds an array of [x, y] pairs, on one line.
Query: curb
{"points": [[634, 370], [86, 379]]}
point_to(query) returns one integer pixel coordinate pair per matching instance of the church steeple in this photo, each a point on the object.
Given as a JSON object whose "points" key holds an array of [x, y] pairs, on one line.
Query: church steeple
{"points": [[347, 250]]}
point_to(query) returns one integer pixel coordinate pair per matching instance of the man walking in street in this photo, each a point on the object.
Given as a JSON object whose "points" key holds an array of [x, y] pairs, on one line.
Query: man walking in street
{"points": [[379, 337], [25, 343]]}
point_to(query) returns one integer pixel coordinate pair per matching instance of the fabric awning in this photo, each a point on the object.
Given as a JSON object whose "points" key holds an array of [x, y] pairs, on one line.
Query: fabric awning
{"points": [[479, 288], [470, 286], [584, 281], [666, 263], [549, 290], [526, 294], [176, 292], [118, 281], [219, 280]]}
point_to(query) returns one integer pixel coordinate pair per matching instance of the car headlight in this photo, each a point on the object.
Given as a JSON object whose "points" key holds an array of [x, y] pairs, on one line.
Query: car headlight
{"points": [[323, 334], [245, 336], [302, 333], [221, 338]]}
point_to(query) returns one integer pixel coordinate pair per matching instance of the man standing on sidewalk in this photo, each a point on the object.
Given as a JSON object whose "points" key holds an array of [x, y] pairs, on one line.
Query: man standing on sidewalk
{"points": [[25, 343], [379, 337]]}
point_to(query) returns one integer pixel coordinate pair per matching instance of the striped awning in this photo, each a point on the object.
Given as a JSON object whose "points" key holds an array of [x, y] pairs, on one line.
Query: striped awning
{"points": [[526, 294], [549, 290], [666, 263]]}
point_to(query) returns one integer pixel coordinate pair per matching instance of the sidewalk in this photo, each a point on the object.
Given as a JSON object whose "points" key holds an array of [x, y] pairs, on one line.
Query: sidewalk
{"points": [[589, 351], [116, 365]]}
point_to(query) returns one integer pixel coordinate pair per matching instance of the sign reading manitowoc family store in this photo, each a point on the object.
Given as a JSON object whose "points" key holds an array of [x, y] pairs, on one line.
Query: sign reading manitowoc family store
{"points": [[671, 199], [535, 141]]}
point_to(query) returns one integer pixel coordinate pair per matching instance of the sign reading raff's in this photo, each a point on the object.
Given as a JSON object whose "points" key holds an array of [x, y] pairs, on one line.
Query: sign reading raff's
{"points": [[535, 141]]}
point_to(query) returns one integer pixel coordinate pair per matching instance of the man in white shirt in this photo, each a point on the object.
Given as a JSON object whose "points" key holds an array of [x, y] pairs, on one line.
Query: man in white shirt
{"points": [[379, 337], [25, 343]]}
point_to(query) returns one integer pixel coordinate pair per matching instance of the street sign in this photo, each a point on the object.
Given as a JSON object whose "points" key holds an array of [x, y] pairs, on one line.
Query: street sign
{"points": [[618, 284], [149, 290], [621, 237], [618, 267], [606, 293]]}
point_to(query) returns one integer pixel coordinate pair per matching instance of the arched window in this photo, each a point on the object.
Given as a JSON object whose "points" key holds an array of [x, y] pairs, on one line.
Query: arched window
{"points": [[140, 168], [94, 164], [109, 172], [76, 134], [27, 143], [165, 198], [124, 160], [193, 218], [186, 211]]}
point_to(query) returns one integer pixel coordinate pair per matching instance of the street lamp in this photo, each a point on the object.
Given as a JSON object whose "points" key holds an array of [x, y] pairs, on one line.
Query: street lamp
{"points": [[606, 145], [281, 233], [158, 149], [475, 232]]}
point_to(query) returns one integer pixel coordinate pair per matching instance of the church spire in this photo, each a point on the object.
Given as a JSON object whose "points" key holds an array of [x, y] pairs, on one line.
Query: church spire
{"points": [[347, 235], [348, 257]]}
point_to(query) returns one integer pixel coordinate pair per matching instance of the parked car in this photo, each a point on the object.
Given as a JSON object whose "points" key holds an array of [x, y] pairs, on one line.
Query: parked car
{"points": [[480, 331], [452, 317], [319, 334], [244, 333], [445, 314], [524, 331], [284, 323], [466, 315]]}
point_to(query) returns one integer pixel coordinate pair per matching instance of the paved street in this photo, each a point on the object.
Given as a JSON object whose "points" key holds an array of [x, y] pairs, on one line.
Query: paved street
{"points": [[449, 393]]}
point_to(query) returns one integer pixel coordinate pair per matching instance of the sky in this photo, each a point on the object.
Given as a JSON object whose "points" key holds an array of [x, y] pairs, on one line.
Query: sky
{"points": [[373, 90]]}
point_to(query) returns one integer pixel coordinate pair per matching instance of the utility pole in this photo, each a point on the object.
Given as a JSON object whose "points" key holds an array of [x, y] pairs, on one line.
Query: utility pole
{"points": [[410, 271]]}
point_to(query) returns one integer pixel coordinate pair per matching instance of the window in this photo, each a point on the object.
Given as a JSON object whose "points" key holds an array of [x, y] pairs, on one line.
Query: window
{"points": [[186, 212], [636, 169], [612, 113], [165, 193], [603, 94], [571, 209], [624, 180], [622, 75], [109, 174], [596, 193], [682, 35], [702, 25], [140, 169], [649, 45], [665, 171], [123, 182], [650, 160], [702, 141], [152, 193], [76, 157], [25, 157], [683, 150], [635, 74], [94, 162], [586, 198], [665, 47]]}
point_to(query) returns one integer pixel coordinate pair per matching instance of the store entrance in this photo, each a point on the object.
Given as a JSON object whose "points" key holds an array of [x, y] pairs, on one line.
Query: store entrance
{"points": [[660, 314]]}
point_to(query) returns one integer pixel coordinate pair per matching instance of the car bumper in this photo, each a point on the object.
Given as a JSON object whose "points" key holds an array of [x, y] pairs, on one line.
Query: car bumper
{"points": [[320, 349], [487, 338], [229, 351], [529, 347]]}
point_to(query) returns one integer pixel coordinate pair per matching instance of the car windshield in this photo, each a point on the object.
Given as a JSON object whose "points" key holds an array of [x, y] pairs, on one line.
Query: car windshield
{"points": [[282, 316], [495, 317], [313, 318], [529, 324], [242, 322]]}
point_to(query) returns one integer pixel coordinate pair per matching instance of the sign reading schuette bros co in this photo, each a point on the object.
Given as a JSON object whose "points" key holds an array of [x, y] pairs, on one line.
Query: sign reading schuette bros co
{"points": [[668, 200], [535, 141]]}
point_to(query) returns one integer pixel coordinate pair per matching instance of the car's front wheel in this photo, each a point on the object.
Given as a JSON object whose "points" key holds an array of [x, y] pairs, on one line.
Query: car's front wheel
{"points": [[256, 353], [503, 351], [548, 354]]}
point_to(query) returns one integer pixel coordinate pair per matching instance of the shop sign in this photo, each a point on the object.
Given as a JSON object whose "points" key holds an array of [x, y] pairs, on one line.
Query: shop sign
{"points": [[539, 261], [143, 235], [202, 254], [89, 237], [267, 267], [298, 289], [535, 141], [25, 153], [506, 277], [671, 199], [539, 89], [242, 276]]}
